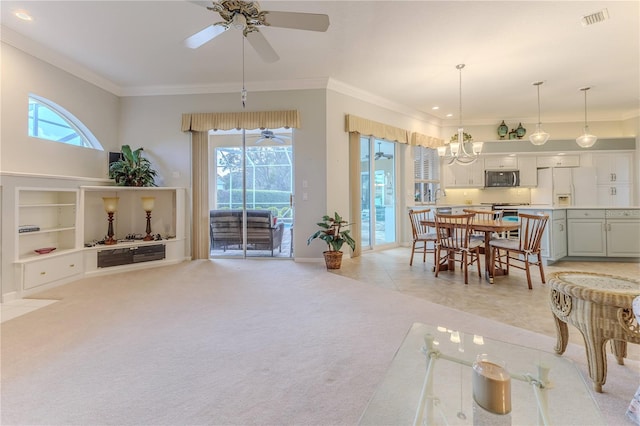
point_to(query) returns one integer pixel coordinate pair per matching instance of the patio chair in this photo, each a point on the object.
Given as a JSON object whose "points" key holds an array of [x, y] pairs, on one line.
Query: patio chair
{"points": [[525, 250], [453, 233], [422, 235]]}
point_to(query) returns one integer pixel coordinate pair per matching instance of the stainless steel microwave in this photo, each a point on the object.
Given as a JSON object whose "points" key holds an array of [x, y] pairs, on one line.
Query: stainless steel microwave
{"points": [[501, 178]]}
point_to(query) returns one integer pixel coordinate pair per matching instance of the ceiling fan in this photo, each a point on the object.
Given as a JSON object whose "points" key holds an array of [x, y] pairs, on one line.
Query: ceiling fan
{"points": [[268, 135], [379, 155], [247, 16]]}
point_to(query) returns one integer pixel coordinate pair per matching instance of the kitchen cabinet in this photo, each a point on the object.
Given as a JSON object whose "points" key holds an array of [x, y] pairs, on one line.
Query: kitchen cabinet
{"points": [[614, 195], [599, 233], [464, 176], [613, 168], [500, 163], [528, 171], [558, 161], [623, 230], [614, 176], [587, 235]]}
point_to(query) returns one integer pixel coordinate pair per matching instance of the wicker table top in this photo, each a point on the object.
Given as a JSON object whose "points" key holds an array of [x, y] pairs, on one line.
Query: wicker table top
{"points": [[599, 288]]}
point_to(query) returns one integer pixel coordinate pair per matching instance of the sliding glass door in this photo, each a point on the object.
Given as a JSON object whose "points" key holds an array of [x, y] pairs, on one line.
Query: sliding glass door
{"points": [[377, 192], [251, 210]]}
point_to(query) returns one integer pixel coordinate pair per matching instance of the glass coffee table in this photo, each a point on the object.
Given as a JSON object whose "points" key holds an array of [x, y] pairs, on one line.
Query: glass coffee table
{"points": [[429, 382]]}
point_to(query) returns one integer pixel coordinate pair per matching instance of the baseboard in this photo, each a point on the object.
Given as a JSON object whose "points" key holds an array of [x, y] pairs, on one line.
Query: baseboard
{"points": [[9, 297]]}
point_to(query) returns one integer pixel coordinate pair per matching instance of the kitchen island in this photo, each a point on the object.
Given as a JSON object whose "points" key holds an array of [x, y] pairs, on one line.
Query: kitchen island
{"points": [[589, 233]]}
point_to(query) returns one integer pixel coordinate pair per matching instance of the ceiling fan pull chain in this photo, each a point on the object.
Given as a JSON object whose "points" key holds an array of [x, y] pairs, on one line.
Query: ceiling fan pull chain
{"points": [[243, 93]]}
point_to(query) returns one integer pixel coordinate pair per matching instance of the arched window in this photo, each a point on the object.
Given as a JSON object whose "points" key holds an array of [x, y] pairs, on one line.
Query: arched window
{"points": [[48, 120]]}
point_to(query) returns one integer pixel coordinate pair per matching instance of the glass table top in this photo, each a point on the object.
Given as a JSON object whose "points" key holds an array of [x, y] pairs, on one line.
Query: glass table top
{"points": [[448, 398]]}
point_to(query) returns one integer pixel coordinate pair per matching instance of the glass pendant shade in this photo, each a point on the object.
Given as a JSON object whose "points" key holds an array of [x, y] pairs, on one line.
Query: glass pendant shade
{"points": [[442, 151], [540, 137], [455, 148], [586, 140]]}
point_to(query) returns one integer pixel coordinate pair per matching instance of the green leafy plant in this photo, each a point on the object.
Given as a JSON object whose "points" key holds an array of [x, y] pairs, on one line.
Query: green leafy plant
{"points": [[132, 169], [332, 231], [466, 137]]}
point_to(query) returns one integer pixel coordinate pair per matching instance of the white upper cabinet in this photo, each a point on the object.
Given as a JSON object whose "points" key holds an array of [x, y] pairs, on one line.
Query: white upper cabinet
{"points": [[528, 171], [501, 163], [558, 161], [467, 176], [613, 168]]}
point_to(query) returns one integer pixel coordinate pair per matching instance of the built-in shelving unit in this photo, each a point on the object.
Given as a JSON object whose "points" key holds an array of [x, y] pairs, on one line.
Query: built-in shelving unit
{"points": [[73, 222], [46, 219], [167, 227]]}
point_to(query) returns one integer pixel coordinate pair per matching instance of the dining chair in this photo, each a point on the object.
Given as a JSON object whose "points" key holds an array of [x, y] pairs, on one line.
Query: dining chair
{"points": [[525, 250], [423, 235], [453, 233], [483, 215]]}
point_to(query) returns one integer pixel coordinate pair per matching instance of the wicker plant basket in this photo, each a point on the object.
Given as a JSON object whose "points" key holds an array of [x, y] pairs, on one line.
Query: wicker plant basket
{"points": [[333, 259]]}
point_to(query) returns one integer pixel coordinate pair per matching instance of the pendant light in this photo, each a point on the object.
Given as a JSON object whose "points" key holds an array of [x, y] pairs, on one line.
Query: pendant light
{"points": [[540, 137], [586, 140]]}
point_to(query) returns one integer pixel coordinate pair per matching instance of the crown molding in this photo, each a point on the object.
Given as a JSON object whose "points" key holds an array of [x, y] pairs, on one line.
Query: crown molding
{"points": [[36, 50], [251, 86], [363, 95]]}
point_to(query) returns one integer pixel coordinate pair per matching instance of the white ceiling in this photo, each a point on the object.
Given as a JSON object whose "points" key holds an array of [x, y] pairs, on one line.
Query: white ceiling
{"points": [[404, 52]]}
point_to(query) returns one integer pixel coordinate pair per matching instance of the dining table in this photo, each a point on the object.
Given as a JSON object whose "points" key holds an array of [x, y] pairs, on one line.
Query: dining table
{"points": [[489, 227]]}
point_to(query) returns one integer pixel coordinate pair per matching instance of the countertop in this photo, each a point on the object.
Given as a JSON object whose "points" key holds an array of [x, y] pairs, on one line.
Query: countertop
{"points": [[549, 207]]}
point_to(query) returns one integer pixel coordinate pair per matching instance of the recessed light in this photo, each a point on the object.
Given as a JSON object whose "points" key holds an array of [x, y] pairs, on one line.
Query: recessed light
{"points": [[449, 115], [435, 107], [24, 15]]}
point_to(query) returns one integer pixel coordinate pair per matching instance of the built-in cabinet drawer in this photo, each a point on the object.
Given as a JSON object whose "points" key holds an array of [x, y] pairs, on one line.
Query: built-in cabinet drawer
{"points": [[40, 272], [586, 214]]}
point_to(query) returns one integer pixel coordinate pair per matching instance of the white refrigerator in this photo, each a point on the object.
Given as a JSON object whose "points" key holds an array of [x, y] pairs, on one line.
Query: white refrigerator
{"points": [[566, 186]]}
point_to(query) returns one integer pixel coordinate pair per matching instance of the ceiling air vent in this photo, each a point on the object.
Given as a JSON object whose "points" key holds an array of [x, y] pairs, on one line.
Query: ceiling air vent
{"points": [[594, 18]]}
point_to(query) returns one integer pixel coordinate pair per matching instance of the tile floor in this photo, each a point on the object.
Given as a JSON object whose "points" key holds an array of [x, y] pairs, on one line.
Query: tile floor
{"points": [[15, 308], [508, 300]]}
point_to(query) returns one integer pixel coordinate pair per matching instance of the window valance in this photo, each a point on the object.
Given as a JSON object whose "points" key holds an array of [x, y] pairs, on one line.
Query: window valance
{"points": [[202, 122], [426, 141], [373, 128]]}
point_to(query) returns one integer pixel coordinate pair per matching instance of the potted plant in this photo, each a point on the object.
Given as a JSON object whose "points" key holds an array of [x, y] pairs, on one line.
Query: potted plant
{"points": [[132, 169], [332, 231]]}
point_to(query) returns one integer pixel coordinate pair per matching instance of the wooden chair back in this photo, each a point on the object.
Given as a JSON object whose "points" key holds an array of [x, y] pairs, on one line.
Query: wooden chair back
{"points": [[453, 230], [531, 229], [485, 214], [417, 227]]}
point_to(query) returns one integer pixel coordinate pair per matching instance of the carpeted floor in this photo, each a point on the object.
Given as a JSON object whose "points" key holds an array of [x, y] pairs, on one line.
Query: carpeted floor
{"points": [[227, 342]]}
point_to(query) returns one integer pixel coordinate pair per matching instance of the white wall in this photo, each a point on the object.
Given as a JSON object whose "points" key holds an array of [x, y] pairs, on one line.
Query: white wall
{"points": [[23, 74]]}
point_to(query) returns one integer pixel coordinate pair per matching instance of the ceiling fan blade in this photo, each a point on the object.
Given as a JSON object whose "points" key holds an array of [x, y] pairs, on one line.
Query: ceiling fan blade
{"points": [[298, 21], [262, 46], [204, 35], [202, 3]]}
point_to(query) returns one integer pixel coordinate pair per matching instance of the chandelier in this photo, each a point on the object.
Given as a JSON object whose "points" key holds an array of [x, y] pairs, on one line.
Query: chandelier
{"points": [[460, 152], [586, 140]]}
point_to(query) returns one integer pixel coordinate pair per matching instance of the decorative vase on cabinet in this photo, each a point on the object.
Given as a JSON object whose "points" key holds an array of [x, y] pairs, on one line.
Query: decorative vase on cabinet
{"points": [[520, 131], [503, 130]]}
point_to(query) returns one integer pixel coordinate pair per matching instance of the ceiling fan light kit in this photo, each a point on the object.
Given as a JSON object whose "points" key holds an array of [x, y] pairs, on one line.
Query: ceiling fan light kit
{"points": [[540, 137], [586, 140]]}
